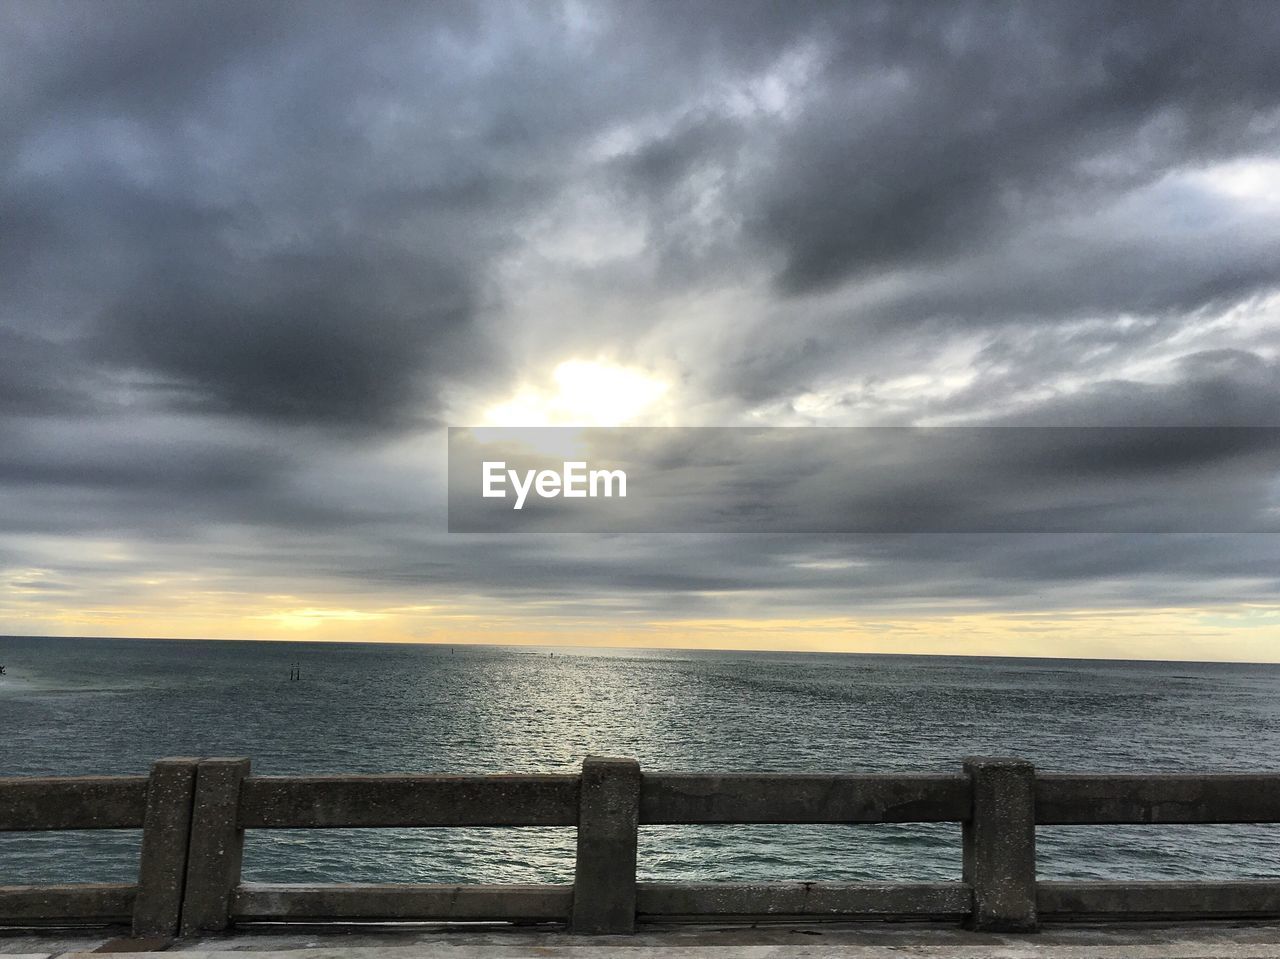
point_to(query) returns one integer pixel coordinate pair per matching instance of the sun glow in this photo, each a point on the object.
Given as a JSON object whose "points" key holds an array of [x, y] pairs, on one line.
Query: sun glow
{"points": [[1255, 181], [312, 617], [585, 393]]}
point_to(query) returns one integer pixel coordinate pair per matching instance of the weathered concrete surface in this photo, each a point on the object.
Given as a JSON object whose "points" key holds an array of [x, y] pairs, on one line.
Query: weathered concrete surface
{"points": [[1000, 845], [217, 846], [333, 902], [72, 802], [88, 902], [604, 883], [667, 901], [429, 800], [162, 872], [1070, 798], [1161, 900], [1219, 940], [803, 798]]}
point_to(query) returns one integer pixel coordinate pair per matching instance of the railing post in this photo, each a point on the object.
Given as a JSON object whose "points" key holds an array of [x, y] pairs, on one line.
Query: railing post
{"points": [[604, 881], [166, 831], [1000, 845], [216, 848]]}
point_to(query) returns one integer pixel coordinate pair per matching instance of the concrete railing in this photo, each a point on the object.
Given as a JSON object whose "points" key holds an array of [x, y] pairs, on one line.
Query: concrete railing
{"points": [[193, 814]]}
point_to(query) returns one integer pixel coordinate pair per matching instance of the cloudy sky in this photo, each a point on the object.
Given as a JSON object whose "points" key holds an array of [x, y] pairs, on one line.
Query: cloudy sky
{"points": [[255, 257]]}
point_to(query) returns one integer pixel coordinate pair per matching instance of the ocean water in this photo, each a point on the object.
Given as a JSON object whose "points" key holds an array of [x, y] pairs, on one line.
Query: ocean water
{"points": [[73, 706]]}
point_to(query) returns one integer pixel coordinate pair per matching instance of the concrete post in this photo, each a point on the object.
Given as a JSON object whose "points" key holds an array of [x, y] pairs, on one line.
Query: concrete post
{"points": [[166, 831], [216, 848], [604, 882], [1000, 845]]}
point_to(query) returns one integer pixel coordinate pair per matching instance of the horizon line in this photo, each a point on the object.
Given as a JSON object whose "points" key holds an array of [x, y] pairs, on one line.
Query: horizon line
{"points": [[685, 649]]}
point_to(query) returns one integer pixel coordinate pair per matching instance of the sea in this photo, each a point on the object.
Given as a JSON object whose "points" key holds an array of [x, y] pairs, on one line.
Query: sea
{"points": [[109, 706]]}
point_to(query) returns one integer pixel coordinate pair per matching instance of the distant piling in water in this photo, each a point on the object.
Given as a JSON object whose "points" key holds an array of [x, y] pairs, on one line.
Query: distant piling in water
{"points": [[295, 673]]}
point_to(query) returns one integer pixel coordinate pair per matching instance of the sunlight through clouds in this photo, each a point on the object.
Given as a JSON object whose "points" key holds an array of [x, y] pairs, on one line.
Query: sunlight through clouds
{"points": [[244, 306], [585, 393]]}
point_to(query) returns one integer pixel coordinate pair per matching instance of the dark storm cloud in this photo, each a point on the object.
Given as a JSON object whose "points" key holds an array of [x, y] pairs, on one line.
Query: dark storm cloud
{"points": [[234, 197], [990, 108], [208, 194], [150, 480], [246, 249], [313, 338], [36, 379], [1005, 171]]}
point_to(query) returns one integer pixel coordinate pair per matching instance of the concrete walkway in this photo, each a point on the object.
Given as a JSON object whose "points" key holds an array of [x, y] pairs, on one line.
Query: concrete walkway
{"points": [[1219, 940]]}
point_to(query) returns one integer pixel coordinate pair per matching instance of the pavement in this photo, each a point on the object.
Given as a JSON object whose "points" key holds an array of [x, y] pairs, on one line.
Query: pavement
{"points": [[1216, 940]]}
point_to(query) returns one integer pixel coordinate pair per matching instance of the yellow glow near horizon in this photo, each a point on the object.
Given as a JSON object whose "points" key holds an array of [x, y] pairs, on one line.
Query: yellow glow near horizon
{"points": [[1241, 632], [311, 617], [585, 393]]}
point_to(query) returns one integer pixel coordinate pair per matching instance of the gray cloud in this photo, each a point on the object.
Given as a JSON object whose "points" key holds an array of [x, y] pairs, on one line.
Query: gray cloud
{"points": [[997, 107], [875, 480], [253, 254], [323, 339]]}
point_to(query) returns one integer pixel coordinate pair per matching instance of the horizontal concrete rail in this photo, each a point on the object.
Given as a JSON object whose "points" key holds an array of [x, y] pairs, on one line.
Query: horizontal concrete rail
{"points": [[81, 904], [551, 903], [72, 802], [946, 900], [194, 812], [1180, 900], [311, 802], [676, 798], [441, 903], [1157, 798]]}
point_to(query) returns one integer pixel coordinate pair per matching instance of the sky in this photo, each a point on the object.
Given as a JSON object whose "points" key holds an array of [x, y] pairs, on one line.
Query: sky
{"points": [[256, 258]]}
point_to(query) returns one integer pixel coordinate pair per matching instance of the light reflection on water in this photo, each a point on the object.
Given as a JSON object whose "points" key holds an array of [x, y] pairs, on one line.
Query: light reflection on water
{"points": [[99, 706]]}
